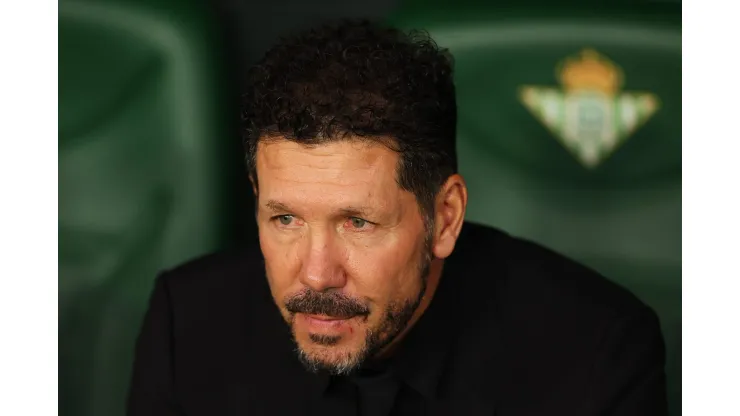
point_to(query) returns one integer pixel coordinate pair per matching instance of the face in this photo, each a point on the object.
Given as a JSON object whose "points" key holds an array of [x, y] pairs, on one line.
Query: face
{"points": [[345, 248]]}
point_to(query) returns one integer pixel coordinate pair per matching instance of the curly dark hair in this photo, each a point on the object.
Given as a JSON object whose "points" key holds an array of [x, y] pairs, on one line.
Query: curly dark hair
{"points": [[358, 79]]}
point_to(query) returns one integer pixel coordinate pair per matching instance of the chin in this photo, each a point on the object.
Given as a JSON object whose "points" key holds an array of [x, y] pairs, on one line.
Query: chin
{"points": [[333, 356], [328, 349], [334, 361]]}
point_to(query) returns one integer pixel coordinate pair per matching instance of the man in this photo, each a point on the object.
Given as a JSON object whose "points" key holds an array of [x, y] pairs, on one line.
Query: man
{"points": [[367, 293]]}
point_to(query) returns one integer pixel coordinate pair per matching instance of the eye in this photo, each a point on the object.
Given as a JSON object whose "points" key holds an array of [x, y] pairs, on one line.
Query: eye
{"points": [[358, 222], [285, 219]]}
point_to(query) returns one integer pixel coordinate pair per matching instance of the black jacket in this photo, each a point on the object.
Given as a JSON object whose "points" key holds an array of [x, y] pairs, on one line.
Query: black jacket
{"points": [[513, 329]]}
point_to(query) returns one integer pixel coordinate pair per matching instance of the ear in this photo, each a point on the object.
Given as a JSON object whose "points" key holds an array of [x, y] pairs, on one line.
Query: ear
{"points": [[449, 216], [253, 181]]}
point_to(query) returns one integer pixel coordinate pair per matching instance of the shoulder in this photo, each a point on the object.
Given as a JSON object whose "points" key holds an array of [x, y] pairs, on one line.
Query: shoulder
{"points": [[532, 296], [552, 324], [218, 270], [530, 276], [211, 311], [216, 285]]}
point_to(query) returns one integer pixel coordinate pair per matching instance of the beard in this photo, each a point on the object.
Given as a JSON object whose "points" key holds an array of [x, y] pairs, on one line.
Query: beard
{"points": [[396, 317]]}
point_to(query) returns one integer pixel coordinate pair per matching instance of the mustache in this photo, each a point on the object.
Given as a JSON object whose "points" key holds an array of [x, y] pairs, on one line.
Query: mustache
{"points": [[332, 304]]}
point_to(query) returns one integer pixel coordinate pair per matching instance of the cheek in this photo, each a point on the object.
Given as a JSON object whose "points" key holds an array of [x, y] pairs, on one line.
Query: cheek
{"points": [[384, 274], [281, 264]]}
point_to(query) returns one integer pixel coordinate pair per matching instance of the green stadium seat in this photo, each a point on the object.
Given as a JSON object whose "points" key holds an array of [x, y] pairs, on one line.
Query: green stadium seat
{"points": [[141, 128]]}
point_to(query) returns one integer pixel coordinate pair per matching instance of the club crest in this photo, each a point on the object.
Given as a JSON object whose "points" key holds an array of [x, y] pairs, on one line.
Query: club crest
{"points": [[589, 113]]}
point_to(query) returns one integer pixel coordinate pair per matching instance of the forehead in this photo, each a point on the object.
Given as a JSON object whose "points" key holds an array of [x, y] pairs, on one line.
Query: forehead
{"points": [[340, 161], [352, 169]]}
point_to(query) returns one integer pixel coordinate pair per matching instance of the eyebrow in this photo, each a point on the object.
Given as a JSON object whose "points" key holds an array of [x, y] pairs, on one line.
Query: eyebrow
{"points": [[276, 206], [350, 211], [360, 212]]}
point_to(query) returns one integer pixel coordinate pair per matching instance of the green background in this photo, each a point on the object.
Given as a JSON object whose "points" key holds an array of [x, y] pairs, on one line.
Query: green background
{"points": [[150, 170]]}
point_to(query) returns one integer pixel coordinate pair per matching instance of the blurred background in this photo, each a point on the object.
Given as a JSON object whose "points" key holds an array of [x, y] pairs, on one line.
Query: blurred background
{"points": [[569, 135]]}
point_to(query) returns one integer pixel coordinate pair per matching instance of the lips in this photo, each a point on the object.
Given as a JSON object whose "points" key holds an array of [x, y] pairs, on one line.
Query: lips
{"points": [[318, 324], [326, 318]]}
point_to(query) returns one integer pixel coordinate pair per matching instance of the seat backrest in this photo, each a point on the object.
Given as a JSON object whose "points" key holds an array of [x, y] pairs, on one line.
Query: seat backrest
{"points": [[140, 133], [570, 134]]}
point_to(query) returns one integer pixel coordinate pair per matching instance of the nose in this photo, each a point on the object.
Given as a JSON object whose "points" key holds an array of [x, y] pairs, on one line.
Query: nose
{"points": [[322, 268]]}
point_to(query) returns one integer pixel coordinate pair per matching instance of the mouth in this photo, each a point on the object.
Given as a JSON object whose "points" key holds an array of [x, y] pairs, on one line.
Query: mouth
{"points": [[327, 317], [326, 324]]}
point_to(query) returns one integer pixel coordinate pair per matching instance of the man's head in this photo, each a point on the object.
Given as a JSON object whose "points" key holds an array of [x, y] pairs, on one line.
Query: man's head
{"points": [[350, 140]]}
